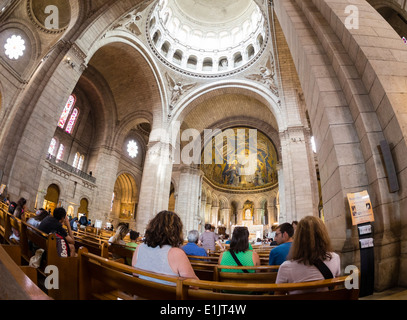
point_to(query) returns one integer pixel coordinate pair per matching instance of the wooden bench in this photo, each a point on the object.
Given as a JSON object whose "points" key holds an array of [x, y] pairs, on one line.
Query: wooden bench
{"points": [[117, 251], [16, 285], [96, 247], [2, 224], [209, 259], [214, 290], [103, 279], [204, 271], [261, 274], [32, 239]]}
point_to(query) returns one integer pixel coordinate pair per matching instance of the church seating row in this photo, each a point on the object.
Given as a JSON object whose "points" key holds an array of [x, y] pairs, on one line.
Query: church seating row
{"points": [[264, 260], [215, 272], [17, 282], [32, 239], [103, 279]]}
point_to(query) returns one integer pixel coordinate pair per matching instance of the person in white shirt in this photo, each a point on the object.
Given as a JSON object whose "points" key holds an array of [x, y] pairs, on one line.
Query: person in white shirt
{"points": [[311, 245]]}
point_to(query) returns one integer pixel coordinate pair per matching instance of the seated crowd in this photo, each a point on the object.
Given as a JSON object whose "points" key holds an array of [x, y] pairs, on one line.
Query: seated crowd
{"points": [[303, 251]]}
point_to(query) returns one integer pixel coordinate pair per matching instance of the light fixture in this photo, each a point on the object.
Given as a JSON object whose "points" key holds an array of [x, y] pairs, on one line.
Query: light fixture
{"points": [[15, 47], [69, 62]]}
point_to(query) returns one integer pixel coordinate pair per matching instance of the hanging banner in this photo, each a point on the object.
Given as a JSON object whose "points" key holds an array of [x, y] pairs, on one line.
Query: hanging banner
{"points": [[360, 207]]}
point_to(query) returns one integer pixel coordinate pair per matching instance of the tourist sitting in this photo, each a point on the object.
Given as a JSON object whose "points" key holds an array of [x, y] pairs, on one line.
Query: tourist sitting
{"points": [[121, 233], [132, 244], [40, 215], [19, 213], [311, 249], [54, 224], [160, 251], [239, 253], [192, 248], [284, 238]]}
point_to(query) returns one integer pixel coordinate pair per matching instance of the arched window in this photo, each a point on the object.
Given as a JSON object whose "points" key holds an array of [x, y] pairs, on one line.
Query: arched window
{"points": [[81, 160], [68, 107], [72, 121], [52, 147], [76, 160], [60, 152]]}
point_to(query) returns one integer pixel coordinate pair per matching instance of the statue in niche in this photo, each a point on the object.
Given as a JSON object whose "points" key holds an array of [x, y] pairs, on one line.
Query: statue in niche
{"points": [[177, 89], [267, 76]]}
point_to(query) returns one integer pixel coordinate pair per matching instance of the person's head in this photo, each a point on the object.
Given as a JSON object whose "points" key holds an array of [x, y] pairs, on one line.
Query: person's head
{"points": [[122, 231], [134, 235], [40, 214], [284, 233], [21, 202], [60, 214], [164, 229], [240, 239], [294, 224], [311, 242], [208, 226], [193, 236]]}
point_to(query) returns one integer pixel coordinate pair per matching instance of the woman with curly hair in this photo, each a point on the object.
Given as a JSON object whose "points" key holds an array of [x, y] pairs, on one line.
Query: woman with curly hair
{"points": [[161, 250]]}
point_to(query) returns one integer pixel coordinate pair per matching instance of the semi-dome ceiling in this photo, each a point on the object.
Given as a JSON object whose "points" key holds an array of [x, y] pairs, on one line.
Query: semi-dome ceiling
{"points": [[207, 37]]}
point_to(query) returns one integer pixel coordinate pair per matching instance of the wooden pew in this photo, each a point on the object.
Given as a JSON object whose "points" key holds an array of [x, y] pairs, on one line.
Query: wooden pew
{"points": [[262, 274], [100, 278], [204, 271], [96, 247], [14, 251], [67, 267], [103, 279], [117, 251], [214, 290], [15, 283], [2, 224], [209, 259]]}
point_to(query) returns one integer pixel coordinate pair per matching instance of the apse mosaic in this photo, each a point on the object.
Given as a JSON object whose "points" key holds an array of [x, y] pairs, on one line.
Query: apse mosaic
{"points": [[237, 162]]}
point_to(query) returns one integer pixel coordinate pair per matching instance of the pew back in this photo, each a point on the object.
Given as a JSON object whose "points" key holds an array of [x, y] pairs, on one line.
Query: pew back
{"points": [[214, 290], [100, 278]]}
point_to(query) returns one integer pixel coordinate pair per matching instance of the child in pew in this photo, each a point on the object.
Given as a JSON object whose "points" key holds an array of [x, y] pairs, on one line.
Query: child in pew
{"points": [[132, 243]]}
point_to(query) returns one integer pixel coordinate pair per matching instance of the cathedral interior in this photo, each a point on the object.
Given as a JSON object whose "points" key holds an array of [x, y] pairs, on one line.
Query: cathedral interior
{"points": [[229, 112]]}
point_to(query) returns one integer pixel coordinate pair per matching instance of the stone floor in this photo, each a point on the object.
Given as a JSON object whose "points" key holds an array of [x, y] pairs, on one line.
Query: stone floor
{"points": [[390, 294]]}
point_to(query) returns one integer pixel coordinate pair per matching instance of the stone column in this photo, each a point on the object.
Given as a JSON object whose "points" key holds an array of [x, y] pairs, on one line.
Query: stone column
{"points": [[105, 172], [214, 216], [155, 184], [188, 201], [297, 184]]}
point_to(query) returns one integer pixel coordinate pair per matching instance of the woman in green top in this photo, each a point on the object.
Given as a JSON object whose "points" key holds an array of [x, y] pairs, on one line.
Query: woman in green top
{"points": [[239, 246]]}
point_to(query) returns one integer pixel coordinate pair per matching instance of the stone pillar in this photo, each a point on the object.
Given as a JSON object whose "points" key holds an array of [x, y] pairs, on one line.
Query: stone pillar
{"points": [[214, 216], [297, 186], [105, 172], [188, 201], [155, 184]]}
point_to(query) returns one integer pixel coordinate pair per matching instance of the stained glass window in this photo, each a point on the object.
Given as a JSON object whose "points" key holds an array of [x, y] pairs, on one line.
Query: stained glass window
{"points": [[51, 149], [76, 160], [68, 107], [60, 152], [81, 160], [72, 121]]}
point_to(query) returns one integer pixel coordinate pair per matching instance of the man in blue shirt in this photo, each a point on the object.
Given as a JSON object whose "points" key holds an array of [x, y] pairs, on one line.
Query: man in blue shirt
{"points": [[284, 238], [191, 248]]}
